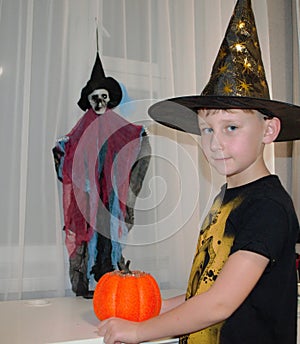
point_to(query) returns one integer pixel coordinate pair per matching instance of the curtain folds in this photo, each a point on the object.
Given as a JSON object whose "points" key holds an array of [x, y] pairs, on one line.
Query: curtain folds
{"points": [[155, 49]]}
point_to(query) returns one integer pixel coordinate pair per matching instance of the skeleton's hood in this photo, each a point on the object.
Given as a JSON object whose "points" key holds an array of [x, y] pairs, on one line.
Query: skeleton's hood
{"points": [[99, 80]]}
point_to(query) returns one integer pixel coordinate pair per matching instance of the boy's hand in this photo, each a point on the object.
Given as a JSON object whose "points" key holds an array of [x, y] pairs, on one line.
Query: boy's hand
{"points": [[117, 331]]}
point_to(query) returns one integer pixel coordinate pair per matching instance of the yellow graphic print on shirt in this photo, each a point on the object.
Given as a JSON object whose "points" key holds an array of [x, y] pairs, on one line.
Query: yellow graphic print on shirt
{"points": [[212, 252]]}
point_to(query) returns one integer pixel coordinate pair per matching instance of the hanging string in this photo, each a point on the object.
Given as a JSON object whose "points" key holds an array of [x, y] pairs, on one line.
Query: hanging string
{"points": [[97, 35]]}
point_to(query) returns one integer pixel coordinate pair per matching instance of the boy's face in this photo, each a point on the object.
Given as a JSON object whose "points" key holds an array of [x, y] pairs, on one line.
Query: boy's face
{"points": [[233, 142]]}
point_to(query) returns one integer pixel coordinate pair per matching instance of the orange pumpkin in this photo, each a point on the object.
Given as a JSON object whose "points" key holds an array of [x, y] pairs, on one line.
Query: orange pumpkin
{"points": [[131, 295]]}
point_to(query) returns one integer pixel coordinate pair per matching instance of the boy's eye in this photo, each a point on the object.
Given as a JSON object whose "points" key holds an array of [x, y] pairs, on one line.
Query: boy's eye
{"points": [[231, 127], [206, 131]]}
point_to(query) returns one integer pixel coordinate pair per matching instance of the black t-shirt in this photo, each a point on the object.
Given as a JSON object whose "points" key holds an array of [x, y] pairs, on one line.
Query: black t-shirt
{"points": [[257, 217]]}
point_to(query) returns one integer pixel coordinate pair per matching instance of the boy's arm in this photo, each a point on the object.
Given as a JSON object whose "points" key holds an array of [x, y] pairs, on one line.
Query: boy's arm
{"points": [[171, 303], [238, 277]]}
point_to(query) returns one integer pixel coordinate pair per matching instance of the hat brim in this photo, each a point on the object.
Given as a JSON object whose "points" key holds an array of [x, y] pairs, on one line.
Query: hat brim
{"points": [[181, 113]]}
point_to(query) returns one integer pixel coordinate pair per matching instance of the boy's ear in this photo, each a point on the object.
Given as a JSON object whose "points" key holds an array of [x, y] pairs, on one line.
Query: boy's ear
{"points": [[272, 129]]}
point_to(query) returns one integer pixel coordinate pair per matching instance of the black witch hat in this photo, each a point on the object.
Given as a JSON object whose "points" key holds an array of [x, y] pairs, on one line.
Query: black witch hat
{"points": [[99, 80], [237, 82]]}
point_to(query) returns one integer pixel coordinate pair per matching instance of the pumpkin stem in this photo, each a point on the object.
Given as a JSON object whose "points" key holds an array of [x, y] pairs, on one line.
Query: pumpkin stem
{"points": [[124, 267]]}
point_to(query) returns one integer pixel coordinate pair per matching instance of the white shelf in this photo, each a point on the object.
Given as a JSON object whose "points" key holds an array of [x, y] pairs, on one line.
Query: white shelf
{"points": [[56, 320], [59, 320]]}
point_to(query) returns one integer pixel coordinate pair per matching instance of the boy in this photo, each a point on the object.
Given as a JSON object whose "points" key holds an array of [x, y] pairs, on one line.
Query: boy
{"points": [[242, 286]]}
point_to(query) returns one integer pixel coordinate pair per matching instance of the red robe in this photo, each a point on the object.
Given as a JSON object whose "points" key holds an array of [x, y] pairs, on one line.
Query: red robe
{"points": [[99, 154]]}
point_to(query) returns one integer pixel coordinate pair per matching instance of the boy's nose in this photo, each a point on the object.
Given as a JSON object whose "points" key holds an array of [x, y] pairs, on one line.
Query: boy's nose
{"points": [[215, 143]]}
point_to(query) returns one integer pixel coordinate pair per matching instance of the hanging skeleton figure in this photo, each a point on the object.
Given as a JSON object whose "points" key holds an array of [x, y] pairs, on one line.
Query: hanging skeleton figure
{"points": [[101, 163]]}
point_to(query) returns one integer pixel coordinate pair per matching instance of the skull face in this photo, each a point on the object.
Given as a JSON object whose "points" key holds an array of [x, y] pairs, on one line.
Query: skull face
{"points": [[99, 99]]}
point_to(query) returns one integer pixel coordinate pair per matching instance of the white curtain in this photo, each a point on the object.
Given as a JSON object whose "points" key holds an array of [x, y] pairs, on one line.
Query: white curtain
{"points": [[156, 49]]}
